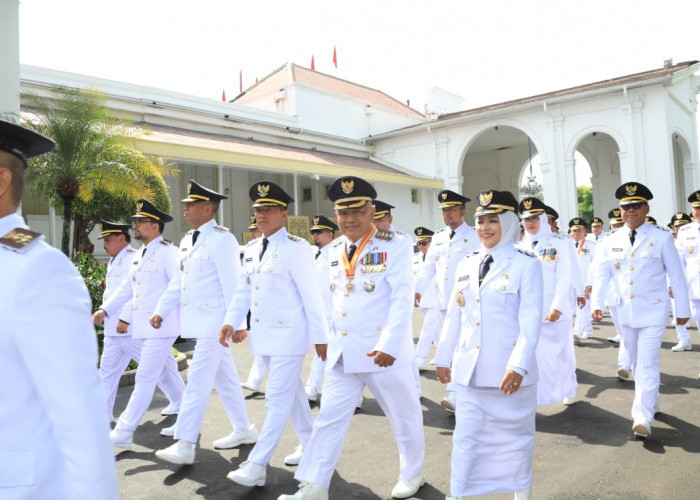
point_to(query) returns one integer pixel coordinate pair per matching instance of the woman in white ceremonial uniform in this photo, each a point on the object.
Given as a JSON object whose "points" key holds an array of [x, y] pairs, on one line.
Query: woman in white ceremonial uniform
{"points": [[555, 350], [492, 326]]}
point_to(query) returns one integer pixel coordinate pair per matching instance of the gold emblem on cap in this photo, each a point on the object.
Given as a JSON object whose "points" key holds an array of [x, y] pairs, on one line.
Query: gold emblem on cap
{"points": [[263, 189], [189, 187], [316, 219], [527, 204], [577, 221], [419, 231], [347, 186], [679, 216], [485, 198], [139, 206], [444, 196], [631, 189], [616, 212]]}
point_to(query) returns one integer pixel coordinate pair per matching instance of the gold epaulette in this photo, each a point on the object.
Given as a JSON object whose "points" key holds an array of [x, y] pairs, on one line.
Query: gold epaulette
{"points": [[20, 239], [221, 229], [294, 238], [165, 242], [384, 235]]}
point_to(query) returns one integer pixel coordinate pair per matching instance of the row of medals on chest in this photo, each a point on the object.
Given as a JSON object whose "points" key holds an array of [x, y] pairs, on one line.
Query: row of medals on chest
{"points": [[368, 286]]}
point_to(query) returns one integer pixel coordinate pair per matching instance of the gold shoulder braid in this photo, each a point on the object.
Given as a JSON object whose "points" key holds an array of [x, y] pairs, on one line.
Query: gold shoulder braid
{"points": [[221, 229], [165, 242], [20, 239], [384, 235], [294, 238]]}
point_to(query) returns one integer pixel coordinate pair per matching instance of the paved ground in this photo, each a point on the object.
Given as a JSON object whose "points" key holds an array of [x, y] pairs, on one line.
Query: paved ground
{"points": [[585, 451]]}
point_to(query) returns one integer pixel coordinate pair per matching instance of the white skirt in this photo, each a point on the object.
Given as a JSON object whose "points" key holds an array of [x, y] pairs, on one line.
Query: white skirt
{"points": [[556, 363], [494, 440]]}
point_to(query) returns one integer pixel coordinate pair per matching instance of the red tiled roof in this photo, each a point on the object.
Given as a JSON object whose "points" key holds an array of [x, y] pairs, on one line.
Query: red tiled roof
{"points": [[293, 73]]}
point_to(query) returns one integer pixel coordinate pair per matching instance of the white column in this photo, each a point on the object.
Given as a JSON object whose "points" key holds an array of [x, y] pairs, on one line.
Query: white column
{"points": [[296, 194], [9, 57], [220, 174]]}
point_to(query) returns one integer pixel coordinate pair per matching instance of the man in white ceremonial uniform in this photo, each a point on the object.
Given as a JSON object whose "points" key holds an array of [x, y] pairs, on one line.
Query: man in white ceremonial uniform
{"points": [[371, 345], [280, 289], [682, 335], [53, 430], [597, 232], [257, 370], [449, 245], [688, 242], [133, 303], [208, 275], [322, 232], [585, 249], [384, 222], [120, 348], [638, 258], [426, 300]]}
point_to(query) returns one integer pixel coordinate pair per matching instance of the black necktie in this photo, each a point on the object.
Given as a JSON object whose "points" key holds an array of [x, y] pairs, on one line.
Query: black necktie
{"points": [[264, 247], [452, 233], [423, 257], [195, 235], [578, 243], [351, 251], [534, 244], [632, 235], [144, 252], [484, 268]]}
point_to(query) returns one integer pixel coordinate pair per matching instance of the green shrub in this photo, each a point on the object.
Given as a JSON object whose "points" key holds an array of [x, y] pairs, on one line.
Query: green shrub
{"points": [[93, 274]]}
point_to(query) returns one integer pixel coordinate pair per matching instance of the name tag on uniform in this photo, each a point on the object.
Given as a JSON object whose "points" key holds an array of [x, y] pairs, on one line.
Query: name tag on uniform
{"points": [[249, 259], [439, 242], [334, 263], [463, 278], [690, 238], [617, 249], [183, 249]]}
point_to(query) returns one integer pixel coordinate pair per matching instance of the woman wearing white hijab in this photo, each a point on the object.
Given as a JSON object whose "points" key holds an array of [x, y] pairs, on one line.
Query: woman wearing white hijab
{"points": [[555, 351], [487, 347]]}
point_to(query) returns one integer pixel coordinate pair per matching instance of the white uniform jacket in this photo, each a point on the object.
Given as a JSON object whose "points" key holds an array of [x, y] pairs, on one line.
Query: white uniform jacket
{"points": [[639, 273], [376, 314], [149, 277], [555, 255], [495, 326], [443, 256], [585, 252], [281, 291], [427, 287], [688, 243], [208, 275], [54, 435], [117, 271]]}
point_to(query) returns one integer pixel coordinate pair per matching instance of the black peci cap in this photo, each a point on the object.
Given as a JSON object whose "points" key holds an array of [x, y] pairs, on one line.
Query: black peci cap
{"points": [[196, 192], [323, 223], [351, 192], [495, 202], [269, 194], [108, 228], [145, 208]]}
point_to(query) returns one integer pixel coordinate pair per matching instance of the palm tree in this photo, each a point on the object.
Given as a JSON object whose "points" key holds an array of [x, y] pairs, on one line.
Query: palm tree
{"points": [[78, 122]]}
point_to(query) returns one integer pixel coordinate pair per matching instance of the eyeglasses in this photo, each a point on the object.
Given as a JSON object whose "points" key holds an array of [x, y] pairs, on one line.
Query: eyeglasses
{"points": [[141, 220], [423, 243], [632, 206]]}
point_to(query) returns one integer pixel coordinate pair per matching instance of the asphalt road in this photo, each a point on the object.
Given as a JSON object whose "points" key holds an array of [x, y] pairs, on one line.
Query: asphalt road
{"points": [[584, 451]]}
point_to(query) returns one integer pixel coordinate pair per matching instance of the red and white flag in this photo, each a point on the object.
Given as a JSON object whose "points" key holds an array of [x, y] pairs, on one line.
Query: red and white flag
{"points": [[313, 66], [223, 95], [335, 58], [240, 81]]}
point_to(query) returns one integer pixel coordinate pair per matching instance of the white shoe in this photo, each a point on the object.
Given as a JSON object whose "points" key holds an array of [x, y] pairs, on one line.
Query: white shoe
{"points": [[311, 393], [168, 431], [641, 429], [122, 439], [623, 374], [616, 339], [682, 346], [180, 453], [171, 409], [524, 494], [237, 438], [569, 401], [295, 457], [432, 361], [307, 491], [406, 488], [249, 474], [448, 403], [251, 387]]}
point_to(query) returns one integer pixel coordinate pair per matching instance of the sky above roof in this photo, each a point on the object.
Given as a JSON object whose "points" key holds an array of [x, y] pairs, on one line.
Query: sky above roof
{"points": [[487, 52]]}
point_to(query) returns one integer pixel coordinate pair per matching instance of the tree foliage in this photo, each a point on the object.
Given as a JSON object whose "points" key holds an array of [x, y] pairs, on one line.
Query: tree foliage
{"points": [[81, 164], [585, 202]]}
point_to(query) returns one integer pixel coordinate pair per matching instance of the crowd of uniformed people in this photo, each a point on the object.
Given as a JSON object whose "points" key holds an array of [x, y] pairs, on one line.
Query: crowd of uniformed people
{"points": [[504, 301]]}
